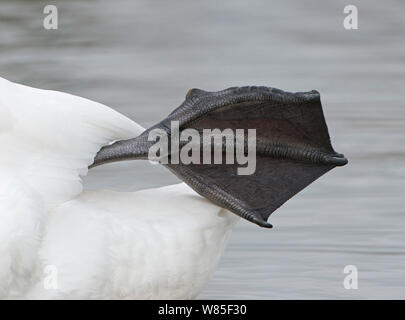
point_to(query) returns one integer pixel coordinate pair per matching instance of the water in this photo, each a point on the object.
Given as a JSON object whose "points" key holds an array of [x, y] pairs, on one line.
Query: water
{"points": [[141, 57]]}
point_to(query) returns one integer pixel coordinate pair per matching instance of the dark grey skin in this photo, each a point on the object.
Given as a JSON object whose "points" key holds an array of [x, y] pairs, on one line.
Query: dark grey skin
{"points": [[293, 147]]}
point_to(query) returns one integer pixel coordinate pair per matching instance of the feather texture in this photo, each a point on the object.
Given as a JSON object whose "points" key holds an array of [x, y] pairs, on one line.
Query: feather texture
{"points": [[158, 243]]}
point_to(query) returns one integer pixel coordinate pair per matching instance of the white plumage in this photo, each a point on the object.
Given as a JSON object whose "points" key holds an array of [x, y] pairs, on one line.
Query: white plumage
{"points": [[156, 243]]}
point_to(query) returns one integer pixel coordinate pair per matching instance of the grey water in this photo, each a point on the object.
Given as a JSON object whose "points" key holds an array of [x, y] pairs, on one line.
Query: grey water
{"points": [[141, 57]]}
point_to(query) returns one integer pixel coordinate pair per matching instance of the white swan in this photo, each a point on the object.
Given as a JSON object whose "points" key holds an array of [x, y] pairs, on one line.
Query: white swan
{"points": [[59, 242]]}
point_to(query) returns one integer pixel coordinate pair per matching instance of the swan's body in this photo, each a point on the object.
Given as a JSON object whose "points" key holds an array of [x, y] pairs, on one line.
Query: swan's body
{"points": [[158, 243]]}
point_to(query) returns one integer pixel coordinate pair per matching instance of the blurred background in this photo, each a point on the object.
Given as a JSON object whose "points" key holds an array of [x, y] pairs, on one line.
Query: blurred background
{"points": [[140, 57]]}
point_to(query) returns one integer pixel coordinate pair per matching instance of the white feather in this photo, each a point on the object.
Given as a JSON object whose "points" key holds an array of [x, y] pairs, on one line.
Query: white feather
{"points": [[50, 138], [157, 243]]}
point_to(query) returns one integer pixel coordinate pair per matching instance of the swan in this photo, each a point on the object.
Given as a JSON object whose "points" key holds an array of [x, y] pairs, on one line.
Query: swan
{"points": [[60, 242]]}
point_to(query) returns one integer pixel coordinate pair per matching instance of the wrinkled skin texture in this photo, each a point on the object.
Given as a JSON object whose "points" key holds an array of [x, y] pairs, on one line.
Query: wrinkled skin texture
{"points": [[292, 139]]}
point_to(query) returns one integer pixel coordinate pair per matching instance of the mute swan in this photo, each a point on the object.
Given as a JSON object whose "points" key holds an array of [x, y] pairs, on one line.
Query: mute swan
{"points": [[160, 243]]}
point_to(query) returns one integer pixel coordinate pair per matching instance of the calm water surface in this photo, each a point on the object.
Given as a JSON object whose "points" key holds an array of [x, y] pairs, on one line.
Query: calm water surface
{"points": [[140, 57]]}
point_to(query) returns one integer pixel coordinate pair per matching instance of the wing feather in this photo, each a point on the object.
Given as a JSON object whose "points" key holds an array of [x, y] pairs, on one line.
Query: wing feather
{"points": [[48, 138]]}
